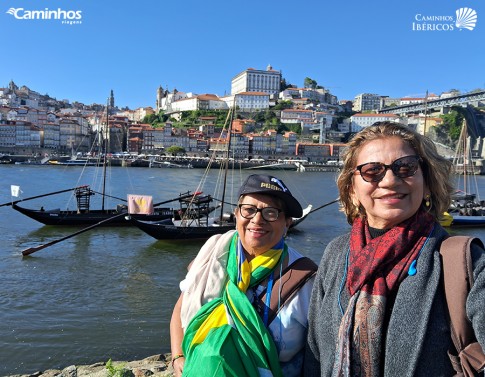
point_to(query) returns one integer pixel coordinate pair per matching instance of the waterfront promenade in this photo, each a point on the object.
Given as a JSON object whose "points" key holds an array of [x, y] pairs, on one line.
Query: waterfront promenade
{"points": [[175, 162]]}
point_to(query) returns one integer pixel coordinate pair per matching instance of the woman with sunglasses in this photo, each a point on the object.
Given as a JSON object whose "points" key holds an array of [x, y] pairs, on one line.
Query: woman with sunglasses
{"points": [[230, 319], [378, 305]]}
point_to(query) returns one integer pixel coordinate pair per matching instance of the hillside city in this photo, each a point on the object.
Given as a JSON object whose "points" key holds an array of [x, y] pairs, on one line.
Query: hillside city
{"points": [[272, 120]]}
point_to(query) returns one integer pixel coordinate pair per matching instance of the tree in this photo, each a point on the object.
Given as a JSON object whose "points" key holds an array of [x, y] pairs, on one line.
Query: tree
{"points": [[284, 85], [174, 150], [282, 128], [451, 128], [309, 83], [150, 118], [283, 104]]}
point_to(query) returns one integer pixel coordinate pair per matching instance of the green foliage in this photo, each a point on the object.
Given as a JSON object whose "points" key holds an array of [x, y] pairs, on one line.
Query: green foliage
{"points": [[282, 128], [150, 118], [294, 127], [117, 371], [175, 150], [451, 128], [190, 118], [281, 105], [155, 119], [284, 85], [309, 83]]}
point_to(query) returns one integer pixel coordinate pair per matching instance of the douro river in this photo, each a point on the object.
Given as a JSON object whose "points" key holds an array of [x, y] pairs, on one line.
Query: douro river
{"points": [[109, 292]]}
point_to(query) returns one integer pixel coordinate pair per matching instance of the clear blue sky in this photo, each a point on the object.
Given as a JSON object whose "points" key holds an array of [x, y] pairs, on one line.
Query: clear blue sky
{"points": [[133, 47]]}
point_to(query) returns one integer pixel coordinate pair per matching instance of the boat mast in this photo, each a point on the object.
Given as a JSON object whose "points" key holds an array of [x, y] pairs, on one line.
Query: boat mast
{"points": [[425, 112], [461, 157], [465, 157], [105, 150], [229, 131]]}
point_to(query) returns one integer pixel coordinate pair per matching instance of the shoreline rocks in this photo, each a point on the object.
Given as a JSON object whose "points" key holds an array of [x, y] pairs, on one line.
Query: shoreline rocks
{"points": [[156, 366]]}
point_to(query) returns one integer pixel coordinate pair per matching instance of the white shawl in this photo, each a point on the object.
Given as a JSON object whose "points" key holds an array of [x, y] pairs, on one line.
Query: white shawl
{"points": [[207, 275]]}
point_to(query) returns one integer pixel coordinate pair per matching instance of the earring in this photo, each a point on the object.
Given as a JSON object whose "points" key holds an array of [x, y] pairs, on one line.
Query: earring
{"points": [[427, 198]]}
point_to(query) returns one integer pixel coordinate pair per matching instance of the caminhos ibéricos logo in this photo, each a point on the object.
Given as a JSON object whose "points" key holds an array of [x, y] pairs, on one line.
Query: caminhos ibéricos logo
{"points": [[70, 17]]}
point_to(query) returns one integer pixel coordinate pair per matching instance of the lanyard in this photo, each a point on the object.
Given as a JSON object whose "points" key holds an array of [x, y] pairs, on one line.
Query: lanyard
{"points": [[269, 289]]}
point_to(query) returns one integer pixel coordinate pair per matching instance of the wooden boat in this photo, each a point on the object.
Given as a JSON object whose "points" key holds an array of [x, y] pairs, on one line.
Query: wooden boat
{"points": [[73, 218], [84, 215], [467, 221], [276, 166], [466, 210], [195, 224], [197, 228], [297, 220]]}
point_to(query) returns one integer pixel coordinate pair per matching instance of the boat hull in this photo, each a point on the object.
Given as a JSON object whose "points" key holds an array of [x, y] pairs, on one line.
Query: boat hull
{"points": [[167, 231], [468, 221], [73, 218]]}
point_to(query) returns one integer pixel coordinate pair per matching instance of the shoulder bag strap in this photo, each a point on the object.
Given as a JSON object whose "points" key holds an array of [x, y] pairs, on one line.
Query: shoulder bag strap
{"points": [[458, 279], [284, 288]]}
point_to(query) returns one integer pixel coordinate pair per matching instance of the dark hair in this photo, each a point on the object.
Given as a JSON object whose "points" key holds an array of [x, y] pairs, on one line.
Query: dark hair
{"points": [[436, 169]]}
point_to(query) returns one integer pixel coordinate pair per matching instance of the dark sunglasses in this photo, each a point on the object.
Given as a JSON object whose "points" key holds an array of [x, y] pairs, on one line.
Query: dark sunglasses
{"points": [[248, 211], [403, 167]]}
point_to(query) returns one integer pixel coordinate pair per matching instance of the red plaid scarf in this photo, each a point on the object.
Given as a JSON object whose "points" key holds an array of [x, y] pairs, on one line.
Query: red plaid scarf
{"points": [[378, 265]]}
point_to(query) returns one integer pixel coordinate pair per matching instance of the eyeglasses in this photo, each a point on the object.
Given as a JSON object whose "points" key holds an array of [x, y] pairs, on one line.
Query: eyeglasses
{"points": [[403, 167], [248, 211]]}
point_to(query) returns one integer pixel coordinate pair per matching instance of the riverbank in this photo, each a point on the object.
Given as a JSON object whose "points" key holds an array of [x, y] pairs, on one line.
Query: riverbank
{"points": [[174, 162], [155, 366]]}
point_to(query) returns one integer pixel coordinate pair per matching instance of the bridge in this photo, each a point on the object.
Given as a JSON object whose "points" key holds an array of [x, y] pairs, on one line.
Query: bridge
{"points": [[462, 100]]}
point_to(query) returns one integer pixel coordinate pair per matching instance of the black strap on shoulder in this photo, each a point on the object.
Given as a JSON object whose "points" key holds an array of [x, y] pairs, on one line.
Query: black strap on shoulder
{"points": [[293, 277], [458, 280]]}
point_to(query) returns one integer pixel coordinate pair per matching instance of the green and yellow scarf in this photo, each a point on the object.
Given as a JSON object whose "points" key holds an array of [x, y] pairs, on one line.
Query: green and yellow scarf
{"points": [[227, 336]]}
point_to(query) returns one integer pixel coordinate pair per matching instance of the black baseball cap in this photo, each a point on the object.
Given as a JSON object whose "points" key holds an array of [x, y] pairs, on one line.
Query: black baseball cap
{"points": [[272, 186]]}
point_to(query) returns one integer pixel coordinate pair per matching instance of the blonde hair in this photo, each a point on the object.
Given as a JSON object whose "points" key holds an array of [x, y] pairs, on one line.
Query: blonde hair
{"points": [[436, 169]]}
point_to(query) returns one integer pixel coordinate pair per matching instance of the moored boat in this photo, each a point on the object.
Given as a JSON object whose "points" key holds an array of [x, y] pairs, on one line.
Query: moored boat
{"points": [[467, 221], [75, 218], [466, 211], [84, 215], [76, 163], [198, 228]]}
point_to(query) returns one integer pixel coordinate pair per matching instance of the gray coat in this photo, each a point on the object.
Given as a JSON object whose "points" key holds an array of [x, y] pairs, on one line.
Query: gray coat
{"points": [[418, 335]]}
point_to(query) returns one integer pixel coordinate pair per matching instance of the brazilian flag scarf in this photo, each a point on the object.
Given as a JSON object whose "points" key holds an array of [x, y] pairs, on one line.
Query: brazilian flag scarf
{"points": [[227, 336]]}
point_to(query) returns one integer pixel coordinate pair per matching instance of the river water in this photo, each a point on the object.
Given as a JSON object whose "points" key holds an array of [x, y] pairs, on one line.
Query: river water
{"points": [[108, 293]]}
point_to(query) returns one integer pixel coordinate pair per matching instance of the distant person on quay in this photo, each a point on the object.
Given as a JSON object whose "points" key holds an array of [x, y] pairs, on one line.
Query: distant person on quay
{"points": [[234, 316], [378, 304]]}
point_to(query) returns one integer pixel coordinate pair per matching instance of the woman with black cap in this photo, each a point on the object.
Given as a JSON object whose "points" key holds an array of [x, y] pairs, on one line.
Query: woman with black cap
{"points": [[244, 302]]}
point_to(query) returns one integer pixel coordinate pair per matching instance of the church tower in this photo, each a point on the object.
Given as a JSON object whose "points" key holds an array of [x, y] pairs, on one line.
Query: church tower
{"points": [[12, 87], [159, 98], [112, 99]]}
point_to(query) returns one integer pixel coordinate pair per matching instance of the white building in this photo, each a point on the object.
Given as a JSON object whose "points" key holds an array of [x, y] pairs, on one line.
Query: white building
{"points": [[410, 101], [200, 102], [360, 121], [366, 102], [296, 115], [166, 98], [248, 101], [254, 80]]}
